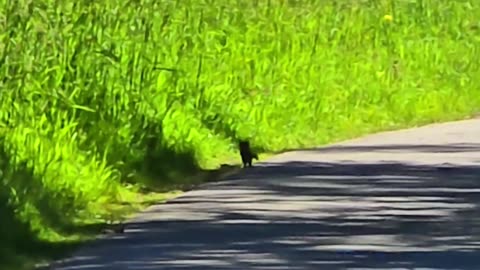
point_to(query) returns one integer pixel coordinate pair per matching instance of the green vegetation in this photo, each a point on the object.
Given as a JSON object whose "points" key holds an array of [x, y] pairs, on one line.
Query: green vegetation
{"points": [[98, 97]]}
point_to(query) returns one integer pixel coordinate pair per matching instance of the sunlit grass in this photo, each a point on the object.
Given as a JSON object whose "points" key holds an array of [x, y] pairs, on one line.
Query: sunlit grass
{"points": [[98, 93]]}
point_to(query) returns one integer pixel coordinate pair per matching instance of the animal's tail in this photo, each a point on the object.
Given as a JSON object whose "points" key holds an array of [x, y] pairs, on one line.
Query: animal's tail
{"points": [[255, 156]]}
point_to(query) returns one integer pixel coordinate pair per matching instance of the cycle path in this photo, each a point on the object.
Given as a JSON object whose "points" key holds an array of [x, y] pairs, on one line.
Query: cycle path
{"points": [[406, 199]]}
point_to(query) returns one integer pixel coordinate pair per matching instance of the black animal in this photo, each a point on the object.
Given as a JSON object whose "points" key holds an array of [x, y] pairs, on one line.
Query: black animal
{"points": [[246, 153]]}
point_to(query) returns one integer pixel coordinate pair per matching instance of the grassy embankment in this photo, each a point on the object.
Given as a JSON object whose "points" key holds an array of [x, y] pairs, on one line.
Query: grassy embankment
{"points": [[98, 94]]}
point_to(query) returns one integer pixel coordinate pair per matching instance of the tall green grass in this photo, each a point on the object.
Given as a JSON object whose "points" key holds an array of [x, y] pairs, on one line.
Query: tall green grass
{"points": [[93, 93]]}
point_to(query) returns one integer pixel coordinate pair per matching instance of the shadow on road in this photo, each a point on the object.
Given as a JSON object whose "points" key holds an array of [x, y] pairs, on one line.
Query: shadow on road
{"points": [[309, 215], [432, 148], [410, 148]]}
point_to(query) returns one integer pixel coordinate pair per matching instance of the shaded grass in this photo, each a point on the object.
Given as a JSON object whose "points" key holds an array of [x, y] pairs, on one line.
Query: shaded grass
{"points": [[22, 249]]}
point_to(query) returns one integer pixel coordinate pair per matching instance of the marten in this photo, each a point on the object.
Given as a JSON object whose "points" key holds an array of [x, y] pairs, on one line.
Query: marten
{"points": [[246, 153]]}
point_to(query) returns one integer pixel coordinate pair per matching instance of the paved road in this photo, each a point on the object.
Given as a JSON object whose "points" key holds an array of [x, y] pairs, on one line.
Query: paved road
{"points": [[397, 200]]}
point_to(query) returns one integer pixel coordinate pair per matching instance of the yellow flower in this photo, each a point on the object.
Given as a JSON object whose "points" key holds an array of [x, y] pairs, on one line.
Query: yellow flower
{"points": [[388, 18]]}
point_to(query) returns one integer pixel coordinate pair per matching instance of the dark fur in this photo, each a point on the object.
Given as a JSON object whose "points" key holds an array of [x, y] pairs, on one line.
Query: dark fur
{"points": [[246, 153]]}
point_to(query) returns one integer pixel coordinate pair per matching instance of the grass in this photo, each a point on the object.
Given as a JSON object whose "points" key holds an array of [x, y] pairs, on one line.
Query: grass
{"points": [[101, 98]]}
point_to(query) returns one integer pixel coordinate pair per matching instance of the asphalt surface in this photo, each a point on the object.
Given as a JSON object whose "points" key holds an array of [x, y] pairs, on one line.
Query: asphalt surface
{"points": [[406, 199]]}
